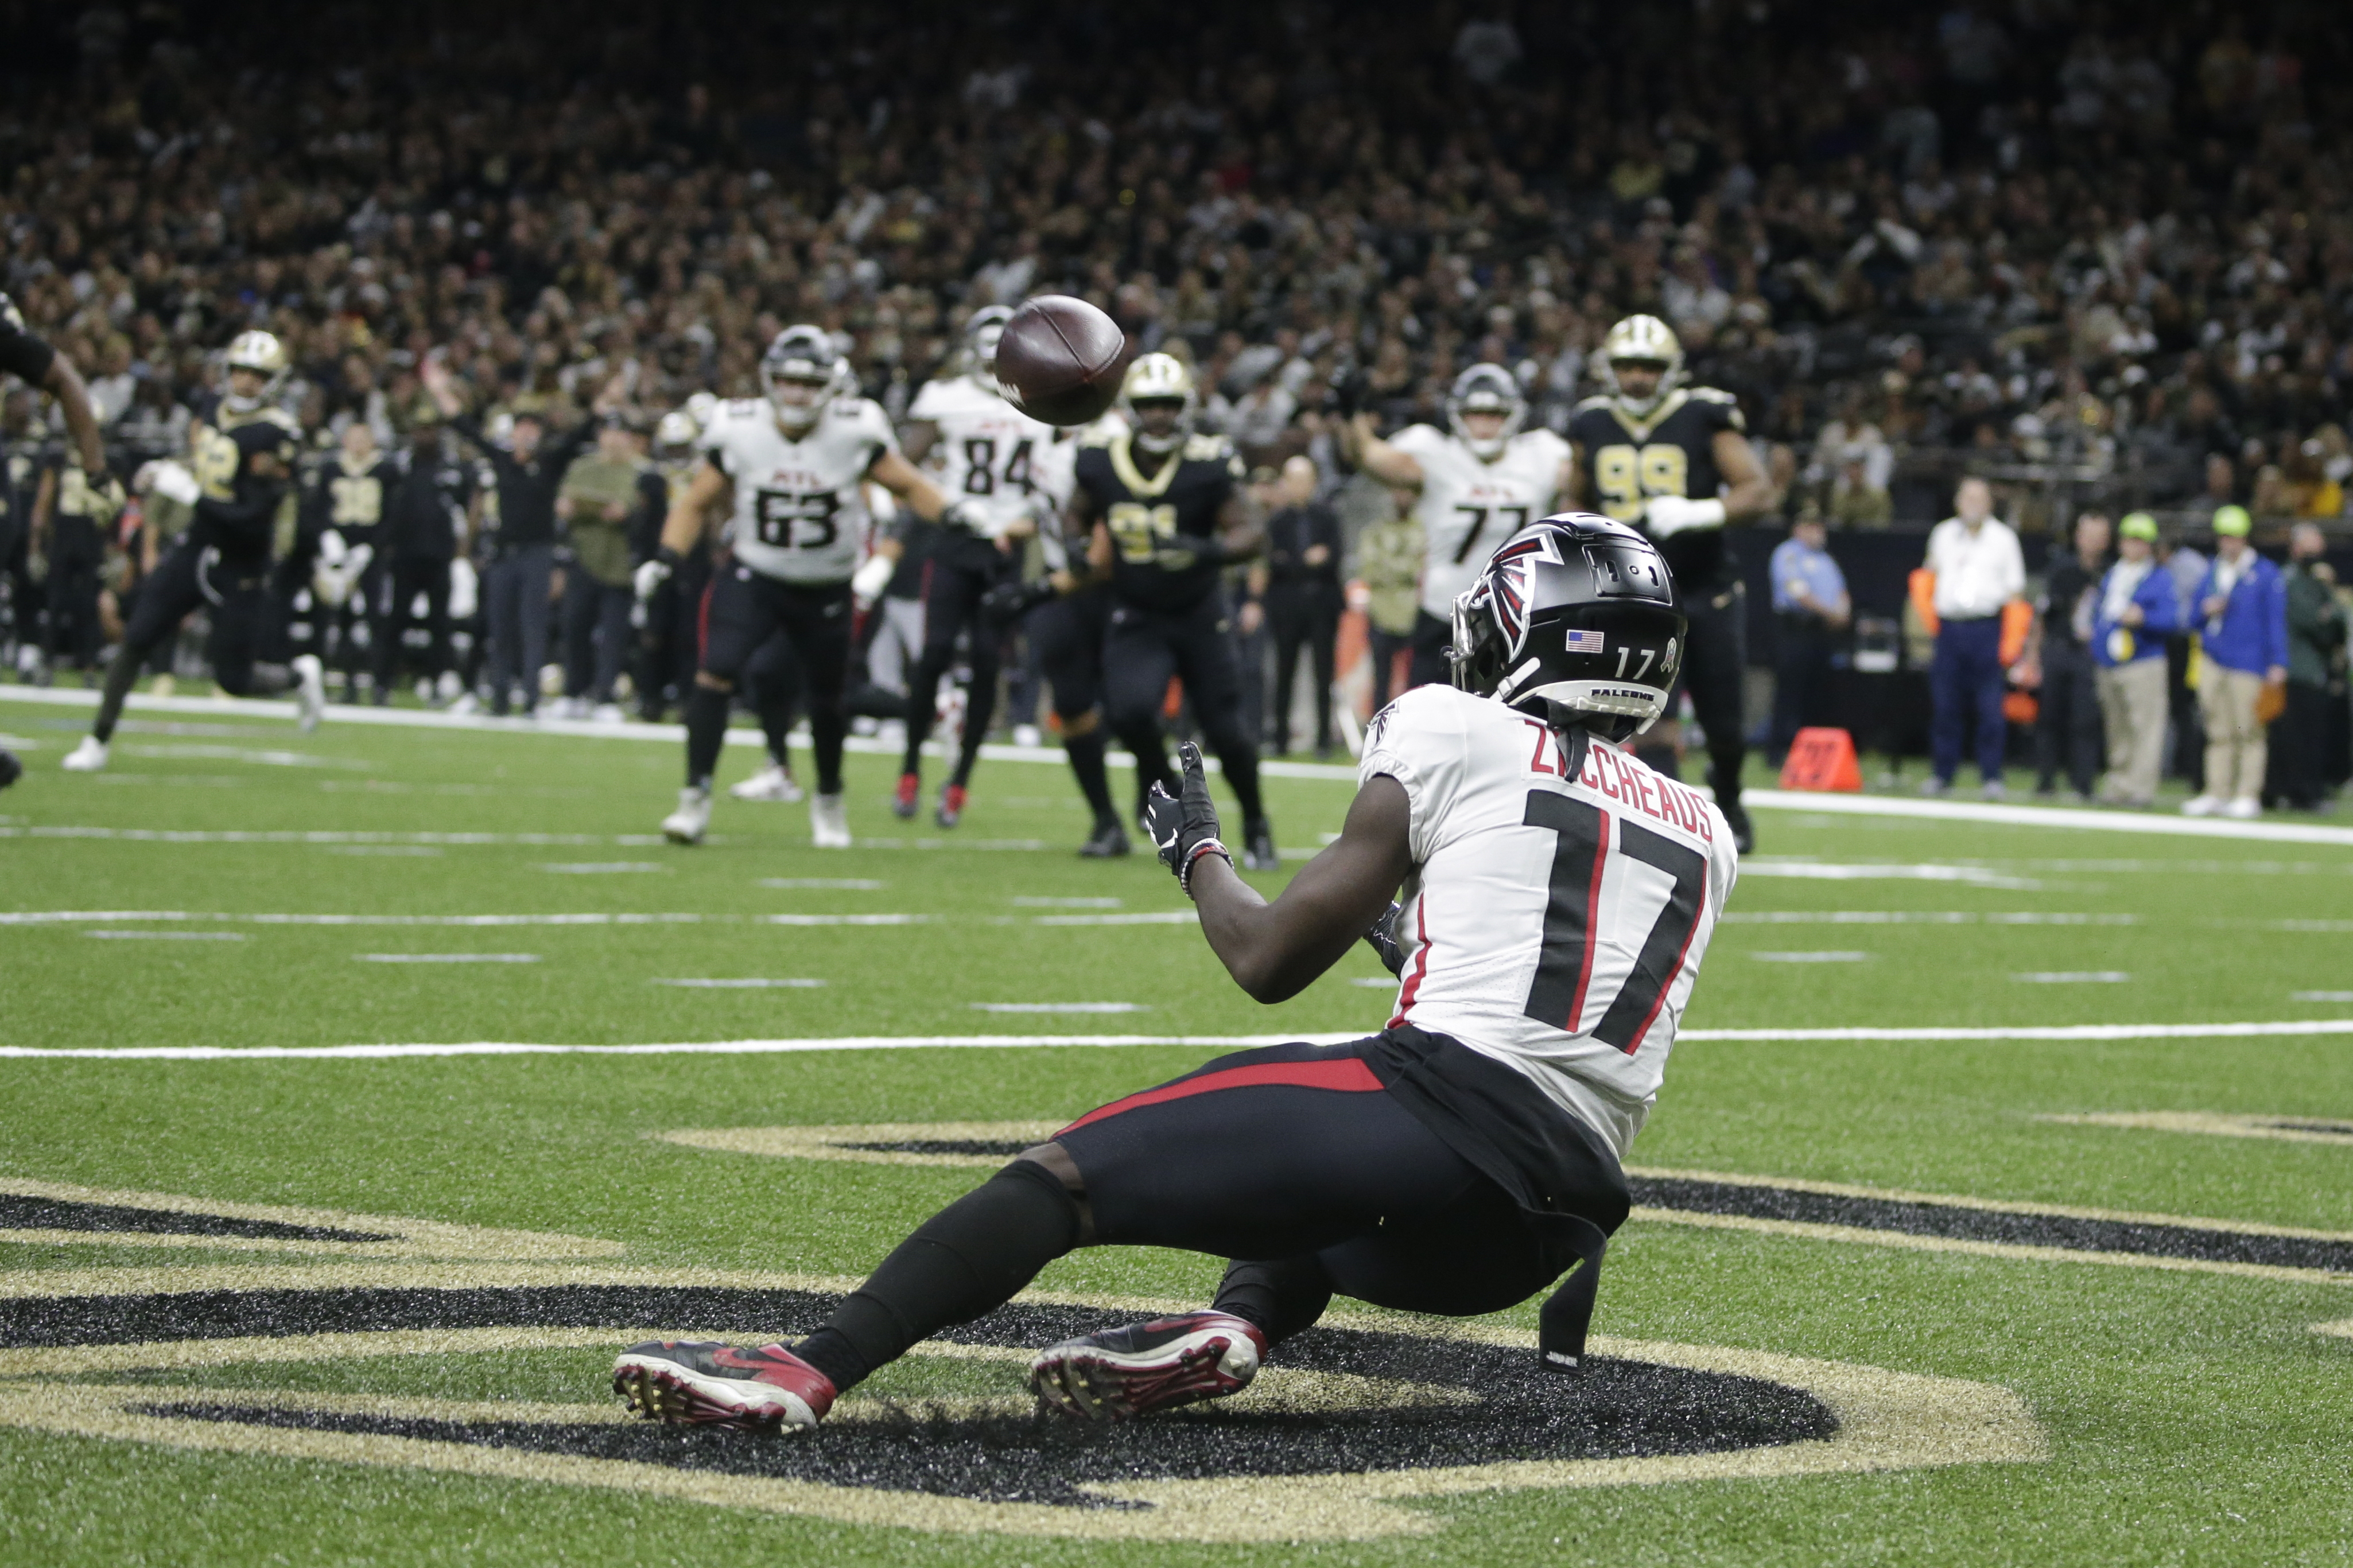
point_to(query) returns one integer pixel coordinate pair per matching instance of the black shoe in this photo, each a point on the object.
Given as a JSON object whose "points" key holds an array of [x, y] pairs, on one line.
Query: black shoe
{"points": [[1735, 816], [1258, 847], [1109, 843]]}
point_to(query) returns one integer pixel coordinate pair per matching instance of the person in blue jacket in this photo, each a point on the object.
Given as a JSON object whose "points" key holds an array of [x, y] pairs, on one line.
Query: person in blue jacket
{"points": [[2240, 613], [2135, 609]]}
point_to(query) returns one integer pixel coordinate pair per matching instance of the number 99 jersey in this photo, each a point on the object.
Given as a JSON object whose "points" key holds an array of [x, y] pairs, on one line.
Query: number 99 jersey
{"points": [[799, 516], [1556, 913], [991, 456], [1671, 451]]}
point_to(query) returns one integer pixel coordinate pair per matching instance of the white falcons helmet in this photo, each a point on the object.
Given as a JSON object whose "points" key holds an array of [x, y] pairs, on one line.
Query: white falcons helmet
{"points": [[1486, 389], [1642, 340], [980, 335], [802, 355], [1159, 378], [1573, 622]]}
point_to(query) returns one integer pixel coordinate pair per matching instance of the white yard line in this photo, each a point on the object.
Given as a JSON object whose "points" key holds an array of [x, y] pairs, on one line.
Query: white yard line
{"points": [[1225, 1042], [2090, 820]]}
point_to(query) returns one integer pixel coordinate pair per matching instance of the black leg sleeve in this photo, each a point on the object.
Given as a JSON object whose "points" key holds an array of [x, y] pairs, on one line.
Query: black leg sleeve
{"points": [[965, 1260], [1283, 1296]]}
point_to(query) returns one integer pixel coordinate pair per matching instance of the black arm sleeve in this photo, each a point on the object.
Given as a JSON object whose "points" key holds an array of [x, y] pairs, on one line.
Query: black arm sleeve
{"points": [[567, 445], [249, 519]]}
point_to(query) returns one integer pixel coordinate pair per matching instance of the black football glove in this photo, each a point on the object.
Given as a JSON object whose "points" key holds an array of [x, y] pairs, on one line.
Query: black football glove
{"points": [[1008, 602], [11, 770], [1185, 828], [1382, 938]]}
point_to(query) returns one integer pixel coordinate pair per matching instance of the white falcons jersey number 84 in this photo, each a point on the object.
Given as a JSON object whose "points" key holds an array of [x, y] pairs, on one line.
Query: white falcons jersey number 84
{"points": [[992, 457]]}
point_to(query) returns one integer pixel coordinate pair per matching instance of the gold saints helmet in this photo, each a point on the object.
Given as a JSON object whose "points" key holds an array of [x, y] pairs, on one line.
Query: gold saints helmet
{"points": [[258, 352], [1642, 340], [1159, 378]]}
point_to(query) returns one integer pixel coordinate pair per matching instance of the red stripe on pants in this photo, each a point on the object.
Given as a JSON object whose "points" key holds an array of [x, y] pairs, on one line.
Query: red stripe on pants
{"points": [[1347, 1074]]}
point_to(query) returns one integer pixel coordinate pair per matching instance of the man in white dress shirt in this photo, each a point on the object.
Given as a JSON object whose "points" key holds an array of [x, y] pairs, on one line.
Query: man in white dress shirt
{"points": [[1979, 569]]}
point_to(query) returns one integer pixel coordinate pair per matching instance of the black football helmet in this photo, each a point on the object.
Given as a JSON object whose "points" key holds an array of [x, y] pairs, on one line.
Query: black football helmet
{"points": [[1574, 622]]}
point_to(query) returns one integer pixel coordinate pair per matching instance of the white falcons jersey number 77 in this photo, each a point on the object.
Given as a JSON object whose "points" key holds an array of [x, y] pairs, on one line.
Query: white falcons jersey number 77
{"points": [[1468, 507], [991, 456], [1556, 918], [799, 516]]}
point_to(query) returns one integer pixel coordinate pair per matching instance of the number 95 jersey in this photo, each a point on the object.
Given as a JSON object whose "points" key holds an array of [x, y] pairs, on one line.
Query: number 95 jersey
{"points": [[799, 516], [1554, 922]]}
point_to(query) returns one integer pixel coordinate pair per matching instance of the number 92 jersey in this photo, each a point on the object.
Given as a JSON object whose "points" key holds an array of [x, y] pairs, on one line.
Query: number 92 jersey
{"points": [[1671, 451], [798, 515], [1468, 507], [1555, 918], [990, 453]]}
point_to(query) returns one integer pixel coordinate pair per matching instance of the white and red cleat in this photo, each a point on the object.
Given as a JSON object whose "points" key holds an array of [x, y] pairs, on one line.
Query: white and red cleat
{"points": [[701, 1383], [1169, 1361]]}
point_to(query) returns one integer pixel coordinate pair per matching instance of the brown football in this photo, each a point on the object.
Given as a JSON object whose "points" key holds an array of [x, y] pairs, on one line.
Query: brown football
{"points": [[1061, 360]]}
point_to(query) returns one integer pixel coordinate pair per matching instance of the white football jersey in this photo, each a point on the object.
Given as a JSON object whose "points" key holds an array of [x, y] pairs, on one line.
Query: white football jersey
{"points": [[988, 450], [1554, 924], [1468, 507], [799, 515]]}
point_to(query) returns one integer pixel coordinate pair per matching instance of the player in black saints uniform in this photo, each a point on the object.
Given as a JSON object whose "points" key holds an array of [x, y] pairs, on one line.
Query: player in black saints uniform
{"points": [[1162, 512], [38, 366], [1675, 461], [223, 562], [342, 514]]}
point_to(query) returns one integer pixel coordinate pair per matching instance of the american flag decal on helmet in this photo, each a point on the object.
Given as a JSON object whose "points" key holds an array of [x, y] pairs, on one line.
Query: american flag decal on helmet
{"points": [[1577, 641]]}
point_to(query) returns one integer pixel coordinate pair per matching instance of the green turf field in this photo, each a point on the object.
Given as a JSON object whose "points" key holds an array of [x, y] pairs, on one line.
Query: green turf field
{"points": [[347, 1340]]}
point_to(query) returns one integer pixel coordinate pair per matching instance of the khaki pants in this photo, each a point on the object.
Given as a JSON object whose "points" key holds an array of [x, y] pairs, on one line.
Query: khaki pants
{"points": [[2132, 706], [2234, 741]]}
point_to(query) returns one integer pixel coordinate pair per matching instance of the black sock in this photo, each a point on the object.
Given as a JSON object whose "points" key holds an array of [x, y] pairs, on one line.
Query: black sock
{"points": [[965, 1260], [923, 704], [827, 729], [1281, 1298], [777, 723], [119, 677], [1723, 774], [706, 733], [1086, 757], [1659, 759]]}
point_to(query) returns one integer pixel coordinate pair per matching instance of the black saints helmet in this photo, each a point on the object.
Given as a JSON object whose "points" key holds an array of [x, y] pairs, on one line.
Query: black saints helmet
{"points": [[1573, 622]]}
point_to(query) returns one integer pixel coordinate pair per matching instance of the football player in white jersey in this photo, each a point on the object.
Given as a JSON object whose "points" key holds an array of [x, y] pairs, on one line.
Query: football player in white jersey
{"points": [[988, 454], [1559, 897], [786, 469], [1478, 482]]}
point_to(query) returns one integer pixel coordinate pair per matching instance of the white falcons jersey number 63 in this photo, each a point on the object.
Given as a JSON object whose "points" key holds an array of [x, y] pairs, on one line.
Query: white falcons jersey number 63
{"points": [[798, 515], [1555, 922]]}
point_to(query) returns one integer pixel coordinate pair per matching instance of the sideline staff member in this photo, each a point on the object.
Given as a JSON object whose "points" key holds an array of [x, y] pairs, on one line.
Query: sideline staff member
{"points": [[1979, 569]]}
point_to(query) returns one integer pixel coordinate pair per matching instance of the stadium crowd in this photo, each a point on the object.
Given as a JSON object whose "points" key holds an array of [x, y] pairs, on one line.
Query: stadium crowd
{"points": [[2099, 258]]}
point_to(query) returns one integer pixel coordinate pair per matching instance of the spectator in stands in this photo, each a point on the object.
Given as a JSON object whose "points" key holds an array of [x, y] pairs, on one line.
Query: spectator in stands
{"points": [[1979, 569], [1810, 614], [1299, 578], [1388, 564], [2241, 613], [2138, 609], [2060, 667], [2316, 653]]}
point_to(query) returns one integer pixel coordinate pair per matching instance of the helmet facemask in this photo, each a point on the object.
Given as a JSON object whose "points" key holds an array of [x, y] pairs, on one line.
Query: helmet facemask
{"points": [[1486, 389], [799, 375]]}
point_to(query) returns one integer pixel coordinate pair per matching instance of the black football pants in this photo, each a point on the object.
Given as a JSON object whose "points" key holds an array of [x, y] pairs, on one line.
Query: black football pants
{"points": [[188, 577], [1716, 664], [1142, 649], [742, 609], [1293, 1161], [958, 575]]}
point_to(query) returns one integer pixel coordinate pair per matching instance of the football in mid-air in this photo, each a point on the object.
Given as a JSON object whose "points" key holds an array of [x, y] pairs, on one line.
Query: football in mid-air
{"points": [[1060, 360]]}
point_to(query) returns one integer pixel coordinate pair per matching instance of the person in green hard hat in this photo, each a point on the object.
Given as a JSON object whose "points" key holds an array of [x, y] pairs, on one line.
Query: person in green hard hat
{"points": [[2240, 612], [2138, 606]]}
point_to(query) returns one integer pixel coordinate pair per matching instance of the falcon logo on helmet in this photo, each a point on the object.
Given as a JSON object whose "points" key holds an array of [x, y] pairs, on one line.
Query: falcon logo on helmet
{"points": [[1160, 379], [1642, 340], [1573, 622], [1486, 389], [800, 374]]}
